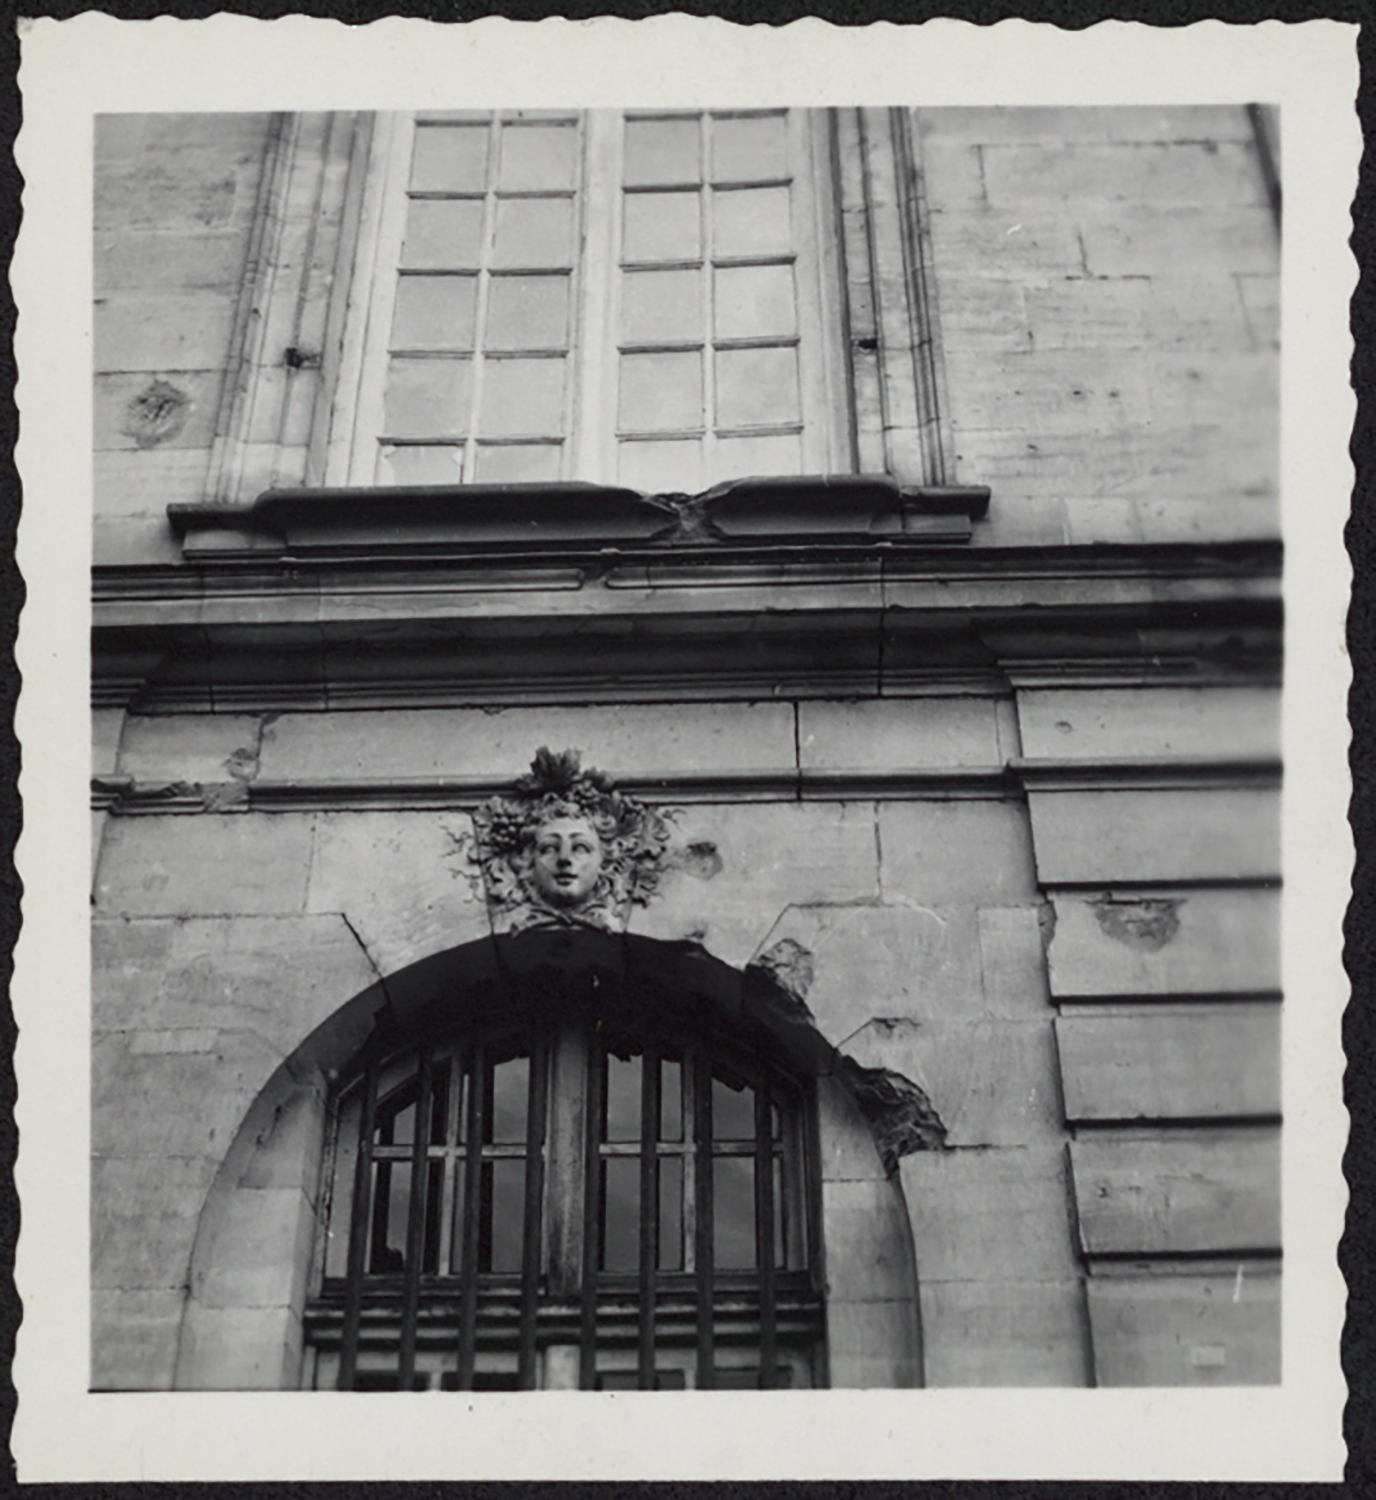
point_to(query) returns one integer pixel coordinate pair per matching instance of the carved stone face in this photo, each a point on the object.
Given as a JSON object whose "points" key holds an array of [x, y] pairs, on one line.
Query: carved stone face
{"points": [[568, 860]]}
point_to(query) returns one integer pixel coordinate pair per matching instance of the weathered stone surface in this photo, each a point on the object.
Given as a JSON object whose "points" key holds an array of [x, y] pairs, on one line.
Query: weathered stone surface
{"points": [[1195, 834], [1190, 942], [1140, 723], [989, 1333], [772, 856], [1207, 1064], [848, 1150], [239, 1349], [994, 1215], [1035, 124], [1179, 1196], [1012, 961], [1213, 241], [169, 1104], [134, 1339], [401, 881], [279, 976], [262, 1259], [206, 864], [194, 748], [869, 1253], [991, 1082], [1187, 1330], [1185, 172], [884, 961], [898, 734], [944, 853], [107, 724], [144, 1212], [162, 331], [627, 741], [873, 1345]]}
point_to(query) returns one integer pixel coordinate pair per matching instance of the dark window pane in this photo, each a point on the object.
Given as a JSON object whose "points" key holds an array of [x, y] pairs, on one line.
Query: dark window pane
{"points": [[537, 156], [522, 398], [753, 302], [510, 1085], [427, 397], [396, 1116], [629, 1380], [671, 1213], [660, 392], [404, 1124], [671, 1101], [623, 1098], [733, 1112], [523, 463], [534, 232], [391, 1201], [504, 1194], [483, 1380], [456, 1224], [439, 1103], [748, 1379], [661, 307], [749, 150], [528, 312], [733, 1212], [621, 1213], [751, 221], [781, 1208], [434, 312], [756, 387], [663, 226], [442, 233], [449, 159], [662, 151], [420, 464], [434, 1210]]}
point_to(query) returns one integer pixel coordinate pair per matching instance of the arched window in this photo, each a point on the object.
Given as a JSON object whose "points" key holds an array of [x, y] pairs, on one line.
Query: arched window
{"points": [[589, 1208]]}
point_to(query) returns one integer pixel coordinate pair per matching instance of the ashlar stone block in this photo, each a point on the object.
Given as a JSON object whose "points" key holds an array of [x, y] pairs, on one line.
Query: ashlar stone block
{"points": [[1142, 723], [205, 864], [898, 734], [988, 1333], [892, 962], [734, 869], [869, 1252], [401, 879], [990, 1215], [144, 1212], [945, 853], [200, 749], [134, 1338]]}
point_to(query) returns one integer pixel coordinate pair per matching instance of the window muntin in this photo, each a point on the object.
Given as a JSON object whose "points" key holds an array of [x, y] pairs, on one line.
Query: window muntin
{"points": [[693, 1207], [634, 299]]}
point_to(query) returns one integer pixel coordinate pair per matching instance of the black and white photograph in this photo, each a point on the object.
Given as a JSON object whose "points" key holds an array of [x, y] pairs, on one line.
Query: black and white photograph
{"points": [[685, 699]]}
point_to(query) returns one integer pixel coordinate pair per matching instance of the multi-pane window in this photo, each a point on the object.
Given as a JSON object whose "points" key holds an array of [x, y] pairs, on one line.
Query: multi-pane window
{"points": [[636, 298], [505, 1213]]}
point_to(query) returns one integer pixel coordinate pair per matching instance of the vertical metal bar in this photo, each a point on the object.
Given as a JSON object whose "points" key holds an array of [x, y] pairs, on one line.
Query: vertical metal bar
{"points": [[592, 1218], [702, 1230], [649, 1213], [472, 1192], [764, 1231], [415, 1224], [358, 1226], [530, 1229]]}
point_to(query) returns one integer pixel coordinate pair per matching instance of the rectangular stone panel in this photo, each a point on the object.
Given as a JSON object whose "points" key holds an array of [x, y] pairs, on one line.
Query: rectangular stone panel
{"points": [[873, 1345], [868, 1255], [206, 864], [1188, 172], [144, 1213], [627, 741], [195, 748], [1137, 241], [1167, 943], [898, 734], [1003, 1333], [1223, 1062], [1138, 723], [134, 1338], [1102, 837], [1036, 123], [1187, 1330], [1178, 1196], [943, 853], [990, 1215], [166, 332]]}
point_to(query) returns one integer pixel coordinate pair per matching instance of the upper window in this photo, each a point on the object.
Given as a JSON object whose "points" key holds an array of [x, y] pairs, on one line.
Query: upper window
{"points": [[588, 1211], [638, 298]]}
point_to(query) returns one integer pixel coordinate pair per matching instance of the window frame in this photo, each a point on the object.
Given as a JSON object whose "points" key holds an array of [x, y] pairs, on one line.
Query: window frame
{"points": [[590, 434]]}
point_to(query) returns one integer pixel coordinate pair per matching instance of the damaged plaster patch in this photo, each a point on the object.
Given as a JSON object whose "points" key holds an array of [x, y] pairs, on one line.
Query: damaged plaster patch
{"points": [[899, 1113], [789, 965], [1142, 924], [156, 415], [701, 860]]}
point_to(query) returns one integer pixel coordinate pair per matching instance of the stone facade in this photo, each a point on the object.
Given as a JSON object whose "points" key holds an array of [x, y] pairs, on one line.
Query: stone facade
{"points": [[995, 794]]}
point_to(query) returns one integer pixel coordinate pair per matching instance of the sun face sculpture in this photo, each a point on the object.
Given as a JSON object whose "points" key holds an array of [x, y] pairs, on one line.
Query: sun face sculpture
{"points": [[567, 848]]}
